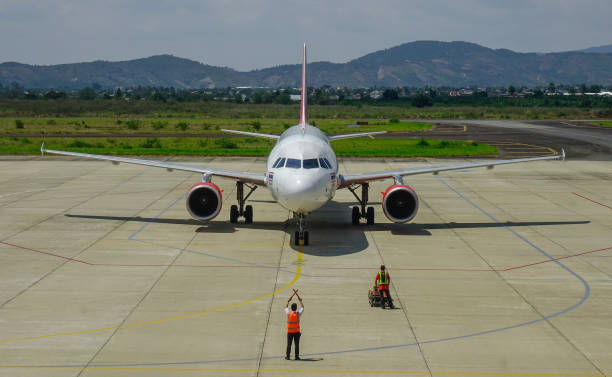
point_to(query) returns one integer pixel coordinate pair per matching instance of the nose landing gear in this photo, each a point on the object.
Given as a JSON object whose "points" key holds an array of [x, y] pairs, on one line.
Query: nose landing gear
{"points": [[246, 211], [367, 213], [301, 234]]}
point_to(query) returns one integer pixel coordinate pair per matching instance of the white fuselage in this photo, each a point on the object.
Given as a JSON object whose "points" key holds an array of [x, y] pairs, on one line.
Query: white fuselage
{"points": [[302, 170]]}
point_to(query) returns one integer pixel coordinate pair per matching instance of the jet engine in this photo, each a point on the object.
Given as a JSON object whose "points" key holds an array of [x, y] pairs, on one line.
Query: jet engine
{"points": [[204, 201], [400, 203]]}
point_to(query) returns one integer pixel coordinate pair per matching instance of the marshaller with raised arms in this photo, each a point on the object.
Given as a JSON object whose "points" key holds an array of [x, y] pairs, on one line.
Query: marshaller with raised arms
{"points": [[302, 175]]}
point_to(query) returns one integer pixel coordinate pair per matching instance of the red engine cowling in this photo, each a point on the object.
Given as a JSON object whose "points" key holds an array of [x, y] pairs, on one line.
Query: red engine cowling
{"points": [[400, 203], [204, 201]]}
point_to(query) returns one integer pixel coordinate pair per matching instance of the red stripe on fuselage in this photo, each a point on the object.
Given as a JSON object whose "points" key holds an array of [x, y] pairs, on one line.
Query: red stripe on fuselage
{"points": [[304, 100]]}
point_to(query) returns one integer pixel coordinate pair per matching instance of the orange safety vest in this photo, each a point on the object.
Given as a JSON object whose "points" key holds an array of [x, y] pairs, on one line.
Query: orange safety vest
{"points": [[293, 322]]}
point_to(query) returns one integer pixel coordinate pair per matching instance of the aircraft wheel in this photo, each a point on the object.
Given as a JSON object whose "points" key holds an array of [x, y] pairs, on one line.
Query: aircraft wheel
{"points": [[248, 214], [306, 238], [355, 216], [370, 215], [234, 214]]}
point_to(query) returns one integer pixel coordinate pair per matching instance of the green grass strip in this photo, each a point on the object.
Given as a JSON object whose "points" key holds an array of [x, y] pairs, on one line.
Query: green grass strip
{"points": [[124, 125], [240, 146], [410, 148], [606, 123]]}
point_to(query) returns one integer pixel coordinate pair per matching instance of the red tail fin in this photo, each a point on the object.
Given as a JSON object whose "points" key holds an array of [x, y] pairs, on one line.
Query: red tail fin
{"points": [[304, 103]]}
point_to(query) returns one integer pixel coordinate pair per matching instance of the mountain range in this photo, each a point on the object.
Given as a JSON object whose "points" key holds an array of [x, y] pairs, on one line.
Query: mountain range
{"points": [[599, 49], [418, 64]]}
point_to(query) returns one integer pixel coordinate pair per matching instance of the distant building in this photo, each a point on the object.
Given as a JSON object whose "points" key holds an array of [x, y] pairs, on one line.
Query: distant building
{"points": [[295, 97], [375, 94]]}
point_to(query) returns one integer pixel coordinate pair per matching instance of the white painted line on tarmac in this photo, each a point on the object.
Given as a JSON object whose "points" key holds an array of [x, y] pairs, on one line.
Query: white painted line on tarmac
{"points": [[21, 192]]}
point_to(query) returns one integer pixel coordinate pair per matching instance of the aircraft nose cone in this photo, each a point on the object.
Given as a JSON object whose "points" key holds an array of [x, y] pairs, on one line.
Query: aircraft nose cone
{"points": [[301, 193], [298, 187], [298, 193]]}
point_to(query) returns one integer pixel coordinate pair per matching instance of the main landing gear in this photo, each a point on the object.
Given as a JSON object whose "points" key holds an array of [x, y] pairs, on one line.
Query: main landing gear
{"points": [[301, 234], [240, 210], [367, 213]]}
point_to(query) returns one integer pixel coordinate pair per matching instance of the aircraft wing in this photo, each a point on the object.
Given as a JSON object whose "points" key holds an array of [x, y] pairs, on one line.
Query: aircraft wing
{"points": [[359, 134], [350, 179], [255, 178], [256, 134]]}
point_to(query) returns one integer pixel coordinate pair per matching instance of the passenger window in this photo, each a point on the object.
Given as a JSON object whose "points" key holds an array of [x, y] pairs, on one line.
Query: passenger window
{"points": [[293, 163], [311, 163]]}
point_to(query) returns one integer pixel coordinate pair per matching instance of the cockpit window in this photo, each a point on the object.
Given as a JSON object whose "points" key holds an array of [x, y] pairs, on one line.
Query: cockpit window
{"points": [[328, 164], [324, 164], [279, 163], [311, 163], [293, 163]]}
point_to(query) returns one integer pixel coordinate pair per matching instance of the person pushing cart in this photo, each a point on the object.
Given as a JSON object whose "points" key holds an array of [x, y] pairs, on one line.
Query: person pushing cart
{"points": [[382, 280]]}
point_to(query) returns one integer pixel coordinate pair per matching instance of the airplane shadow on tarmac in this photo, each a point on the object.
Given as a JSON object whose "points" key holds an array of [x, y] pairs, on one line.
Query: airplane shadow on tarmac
{"points": [[331, 231]]}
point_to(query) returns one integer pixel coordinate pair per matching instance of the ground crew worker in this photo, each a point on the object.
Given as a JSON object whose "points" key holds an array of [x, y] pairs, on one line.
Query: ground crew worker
{"points": [[293, 326], [382, 280]]}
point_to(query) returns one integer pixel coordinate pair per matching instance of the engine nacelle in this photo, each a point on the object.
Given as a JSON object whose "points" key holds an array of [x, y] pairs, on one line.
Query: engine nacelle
{"points": [[400, 203], [204, 201]]}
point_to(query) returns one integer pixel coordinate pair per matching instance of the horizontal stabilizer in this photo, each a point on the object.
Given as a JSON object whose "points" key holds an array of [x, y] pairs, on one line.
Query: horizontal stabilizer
{"points": [[256, 134], [359, 134]]}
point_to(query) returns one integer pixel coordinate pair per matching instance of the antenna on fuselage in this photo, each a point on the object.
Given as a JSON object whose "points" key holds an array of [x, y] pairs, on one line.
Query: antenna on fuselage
{"points": [[304, 100]]}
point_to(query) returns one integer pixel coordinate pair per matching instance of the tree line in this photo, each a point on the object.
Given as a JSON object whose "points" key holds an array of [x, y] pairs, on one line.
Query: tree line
{"points": [[548, 96]]}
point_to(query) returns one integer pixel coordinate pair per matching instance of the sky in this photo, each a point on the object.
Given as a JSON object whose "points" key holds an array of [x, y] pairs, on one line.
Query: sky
{"points": [[255, 34]]}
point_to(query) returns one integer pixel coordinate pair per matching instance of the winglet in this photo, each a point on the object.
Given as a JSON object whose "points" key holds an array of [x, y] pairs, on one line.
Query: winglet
{"points": [[304, 102], [42, 149], [562, 154]]}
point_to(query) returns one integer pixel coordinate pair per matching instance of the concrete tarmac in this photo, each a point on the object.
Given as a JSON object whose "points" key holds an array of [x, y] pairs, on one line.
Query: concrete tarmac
{"points": [[502, 272]]}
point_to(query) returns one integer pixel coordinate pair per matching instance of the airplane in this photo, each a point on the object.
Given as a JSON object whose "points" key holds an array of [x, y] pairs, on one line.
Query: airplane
{"points": [[302, 175]]}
